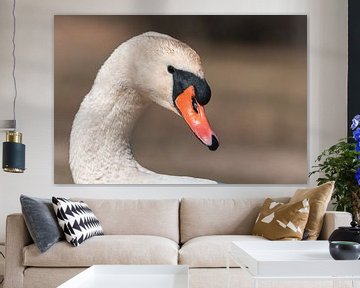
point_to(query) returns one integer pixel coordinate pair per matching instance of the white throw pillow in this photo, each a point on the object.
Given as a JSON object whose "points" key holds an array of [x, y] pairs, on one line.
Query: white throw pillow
{"points": [[76, 220]]}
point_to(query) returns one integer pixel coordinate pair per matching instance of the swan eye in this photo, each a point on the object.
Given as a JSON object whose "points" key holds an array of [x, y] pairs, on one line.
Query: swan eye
{"points": [[171, 69]]}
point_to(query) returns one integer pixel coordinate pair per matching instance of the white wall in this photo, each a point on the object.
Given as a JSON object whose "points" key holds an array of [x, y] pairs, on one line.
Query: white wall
{"points": [[327, 88]]}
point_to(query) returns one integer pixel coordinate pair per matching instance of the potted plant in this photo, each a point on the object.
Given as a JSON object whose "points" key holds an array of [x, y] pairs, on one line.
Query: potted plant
{"points": [[341, 163]]}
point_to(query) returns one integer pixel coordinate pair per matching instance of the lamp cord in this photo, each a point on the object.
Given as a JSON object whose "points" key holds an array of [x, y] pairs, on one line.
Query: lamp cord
{"points": [[14, 60]]}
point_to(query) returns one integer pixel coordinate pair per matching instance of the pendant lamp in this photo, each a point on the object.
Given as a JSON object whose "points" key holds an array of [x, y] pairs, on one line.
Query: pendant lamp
{"points": [[13, 160]]}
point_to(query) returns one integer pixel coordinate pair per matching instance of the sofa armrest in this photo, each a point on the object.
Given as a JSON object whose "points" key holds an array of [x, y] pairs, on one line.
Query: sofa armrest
{"points": [[17, 237], [333, 220]]}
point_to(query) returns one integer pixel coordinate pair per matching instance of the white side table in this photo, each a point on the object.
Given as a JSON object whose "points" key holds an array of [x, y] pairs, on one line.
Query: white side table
{"points": [[284, 261]]}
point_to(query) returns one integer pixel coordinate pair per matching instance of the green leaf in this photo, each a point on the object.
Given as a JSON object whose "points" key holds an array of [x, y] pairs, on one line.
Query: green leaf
{"points": [[339, 163]]}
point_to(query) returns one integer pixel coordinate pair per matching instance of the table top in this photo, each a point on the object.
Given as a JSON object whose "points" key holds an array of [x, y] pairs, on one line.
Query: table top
{"points": [[131, 276], [291, 259]]}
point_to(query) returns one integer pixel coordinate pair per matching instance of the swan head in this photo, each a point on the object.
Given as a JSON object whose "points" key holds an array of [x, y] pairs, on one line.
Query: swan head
{"points": [[169, 72]]}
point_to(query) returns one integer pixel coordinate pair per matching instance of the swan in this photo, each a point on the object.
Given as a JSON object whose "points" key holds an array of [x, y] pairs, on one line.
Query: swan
{"points": [[150, 67]]}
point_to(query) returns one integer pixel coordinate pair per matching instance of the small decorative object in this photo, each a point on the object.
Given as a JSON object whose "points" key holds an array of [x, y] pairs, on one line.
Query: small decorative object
{"points": [[344, 250], [341, 163], [351, 233]]}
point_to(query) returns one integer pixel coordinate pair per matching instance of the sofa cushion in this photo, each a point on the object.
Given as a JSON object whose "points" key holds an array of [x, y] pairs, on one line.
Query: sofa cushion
{"points": [[41, 221], [319, 198], [137, 217], [200, 217], [76, 220], [211, 251], [107, 249], [279, 221]]}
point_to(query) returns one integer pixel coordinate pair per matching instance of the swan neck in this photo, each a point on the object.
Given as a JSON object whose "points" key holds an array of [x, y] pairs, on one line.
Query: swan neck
{"points": [[100, 137]]}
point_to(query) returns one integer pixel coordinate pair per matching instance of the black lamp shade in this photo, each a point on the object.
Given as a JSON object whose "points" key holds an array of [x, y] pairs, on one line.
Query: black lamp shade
{"points": [[13, 157]]}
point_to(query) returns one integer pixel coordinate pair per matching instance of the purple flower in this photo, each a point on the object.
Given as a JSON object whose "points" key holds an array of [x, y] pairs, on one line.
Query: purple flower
{"points": [[357, 176], [357, 147], [356, 134], [355, 122]]}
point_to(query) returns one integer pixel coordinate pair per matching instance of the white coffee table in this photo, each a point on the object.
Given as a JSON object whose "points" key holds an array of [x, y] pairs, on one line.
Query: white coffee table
{"points": [[292, 260], [131, 276]]}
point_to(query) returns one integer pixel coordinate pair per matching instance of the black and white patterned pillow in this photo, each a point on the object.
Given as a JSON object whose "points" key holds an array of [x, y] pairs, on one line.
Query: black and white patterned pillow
{"points": [[77, 220]]}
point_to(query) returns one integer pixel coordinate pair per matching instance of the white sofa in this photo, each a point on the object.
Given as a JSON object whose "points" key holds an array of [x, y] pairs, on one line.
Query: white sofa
{"points": [[194, 232]]}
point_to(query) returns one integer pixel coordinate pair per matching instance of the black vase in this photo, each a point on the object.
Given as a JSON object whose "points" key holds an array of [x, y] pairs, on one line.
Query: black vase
{"points": [[350, 234], [343, 250]]}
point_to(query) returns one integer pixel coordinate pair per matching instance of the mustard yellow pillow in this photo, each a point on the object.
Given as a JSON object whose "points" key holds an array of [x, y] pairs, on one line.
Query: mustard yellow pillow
{"points": [[279, 221], [319, 198]]}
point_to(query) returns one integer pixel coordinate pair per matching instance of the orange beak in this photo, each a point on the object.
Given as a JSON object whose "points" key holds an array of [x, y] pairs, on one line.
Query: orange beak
{"points": [[195, 117]]}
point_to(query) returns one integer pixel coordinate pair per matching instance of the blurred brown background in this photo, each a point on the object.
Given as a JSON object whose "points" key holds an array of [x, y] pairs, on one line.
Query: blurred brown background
{"points": [[256, 67]]}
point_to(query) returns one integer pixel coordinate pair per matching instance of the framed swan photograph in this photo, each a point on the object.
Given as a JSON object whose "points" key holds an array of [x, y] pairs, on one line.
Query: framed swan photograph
{"points": [[180, 99]]}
